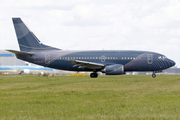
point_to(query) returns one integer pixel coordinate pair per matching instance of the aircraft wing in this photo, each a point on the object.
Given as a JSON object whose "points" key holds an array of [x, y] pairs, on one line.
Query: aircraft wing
{"points": [[85, 64]]}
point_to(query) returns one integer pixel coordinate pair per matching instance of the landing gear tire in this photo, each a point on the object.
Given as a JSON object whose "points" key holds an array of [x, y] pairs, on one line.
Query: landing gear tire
{"points": [[153, 75], [93, 75]]}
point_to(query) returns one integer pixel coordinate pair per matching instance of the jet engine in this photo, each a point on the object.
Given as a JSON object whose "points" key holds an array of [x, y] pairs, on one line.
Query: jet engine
{"points": [[116, 69]]}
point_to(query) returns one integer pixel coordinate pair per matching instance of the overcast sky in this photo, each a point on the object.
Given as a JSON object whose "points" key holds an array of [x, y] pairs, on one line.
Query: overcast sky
{"points": [[150, 25]]}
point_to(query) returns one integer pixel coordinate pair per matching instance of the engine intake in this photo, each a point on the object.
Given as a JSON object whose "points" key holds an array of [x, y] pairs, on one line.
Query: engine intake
{"points": [[116, 69]]}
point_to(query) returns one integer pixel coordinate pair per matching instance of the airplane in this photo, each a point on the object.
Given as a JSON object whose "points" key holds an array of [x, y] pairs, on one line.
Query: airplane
{"points": [[26, 69], [110, 62]]}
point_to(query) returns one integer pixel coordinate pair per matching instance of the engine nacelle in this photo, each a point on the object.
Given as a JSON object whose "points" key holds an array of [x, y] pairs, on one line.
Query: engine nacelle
{"points": [[116, 69]]}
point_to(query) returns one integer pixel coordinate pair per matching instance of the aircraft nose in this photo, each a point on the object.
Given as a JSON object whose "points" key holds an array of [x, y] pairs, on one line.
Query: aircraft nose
{"points": [[172, 63]]}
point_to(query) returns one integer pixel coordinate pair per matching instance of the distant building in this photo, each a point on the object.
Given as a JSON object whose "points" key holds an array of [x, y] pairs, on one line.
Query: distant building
{"points": [[7, 58], [172, 70]]}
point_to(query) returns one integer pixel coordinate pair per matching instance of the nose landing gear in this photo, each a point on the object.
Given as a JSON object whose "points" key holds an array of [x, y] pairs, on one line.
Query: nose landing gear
{"points": [[153, 75]]}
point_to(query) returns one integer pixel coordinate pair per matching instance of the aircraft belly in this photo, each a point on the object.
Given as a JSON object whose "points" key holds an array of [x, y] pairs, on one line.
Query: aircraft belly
{"points": [[64, 65]]}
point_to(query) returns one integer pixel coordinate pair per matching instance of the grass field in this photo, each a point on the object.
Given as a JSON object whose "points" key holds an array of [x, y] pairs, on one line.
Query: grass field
{"points": [[105, 98]]}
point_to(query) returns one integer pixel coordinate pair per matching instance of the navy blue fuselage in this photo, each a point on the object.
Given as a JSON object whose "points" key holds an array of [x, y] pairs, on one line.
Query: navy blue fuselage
{"points": [[132, 60]]}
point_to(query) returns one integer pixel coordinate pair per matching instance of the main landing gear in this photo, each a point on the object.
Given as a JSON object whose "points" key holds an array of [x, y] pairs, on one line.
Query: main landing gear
{"points": [[153, 75], [94, 75]]}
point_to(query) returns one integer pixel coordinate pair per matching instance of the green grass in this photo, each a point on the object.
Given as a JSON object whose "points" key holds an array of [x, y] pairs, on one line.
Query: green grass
{"points": [[104, 98]]}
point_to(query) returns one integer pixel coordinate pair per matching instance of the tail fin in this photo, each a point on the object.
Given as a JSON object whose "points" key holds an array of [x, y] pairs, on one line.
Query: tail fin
{"points": [[26, 39]]}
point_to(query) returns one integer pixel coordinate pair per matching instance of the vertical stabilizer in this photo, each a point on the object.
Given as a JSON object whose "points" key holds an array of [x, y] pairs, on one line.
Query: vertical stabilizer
{"points": [[26, 39]]}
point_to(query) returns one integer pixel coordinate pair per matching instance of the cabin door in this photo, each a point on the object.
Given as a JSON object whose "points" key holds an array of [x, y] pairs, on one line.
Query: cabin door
{"points": [[149, 58]]}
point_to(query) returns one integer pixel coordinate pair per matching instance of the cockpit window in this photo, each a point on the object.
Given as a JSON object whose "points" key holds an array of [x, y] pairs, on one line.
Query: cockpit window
{"points": [[162, 57]]}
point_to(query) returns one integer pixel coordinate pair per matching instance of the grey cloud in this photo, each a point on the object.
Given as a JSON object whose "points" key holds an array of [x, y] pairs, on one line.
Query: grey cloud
{"points": [[65, 8], [173, 24], [78, 21]]}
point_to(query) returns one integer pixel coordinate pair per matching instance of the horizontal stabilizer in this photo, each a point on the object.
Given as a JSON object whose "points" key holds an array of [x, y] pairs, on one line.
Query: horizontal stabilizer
{"points": [[19, 52]]}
